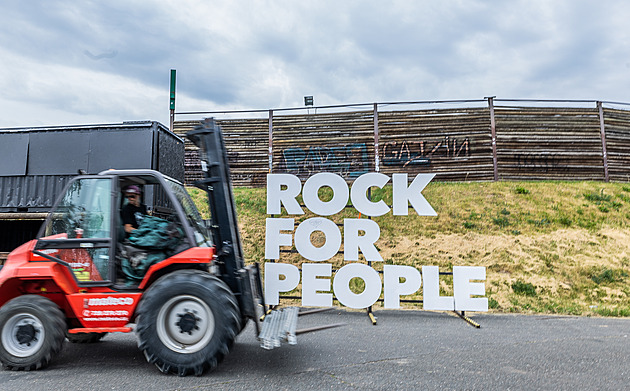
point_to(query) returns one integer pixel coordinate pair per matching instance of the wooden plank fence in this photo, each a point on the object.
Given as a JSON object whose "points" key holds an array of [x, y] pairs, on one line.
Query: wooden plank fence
{"points": [[453, 143], [340, 142], [548, 143], [484, 143], [618, 144]]}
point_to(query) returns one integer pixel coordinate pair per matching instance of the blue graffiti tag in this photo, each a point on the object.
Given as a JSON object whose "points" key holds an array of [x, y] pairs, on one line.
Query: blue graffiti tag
{"points": [[349, 160]]}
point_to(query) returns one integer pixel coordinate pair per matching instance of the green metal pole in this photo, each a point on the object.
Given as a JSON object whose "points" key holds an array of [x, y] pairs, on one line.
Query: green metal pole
{"points": [[172, 102]]}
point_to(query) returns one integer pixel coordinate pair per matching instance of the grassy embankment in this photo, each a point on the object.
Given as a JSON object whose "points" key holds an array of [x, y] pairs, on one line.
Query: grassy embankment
{"points": [[549, 247]]}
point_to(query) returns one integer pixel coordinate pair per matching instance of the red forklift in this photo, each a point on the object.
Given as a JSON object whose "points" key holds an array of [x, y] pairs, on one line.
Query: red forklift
{"points": [[179, 282]]}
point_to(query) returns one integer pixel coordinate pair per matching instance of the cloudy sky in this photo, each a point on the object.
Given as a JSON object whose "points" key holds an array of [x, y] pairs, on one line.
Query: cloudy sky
{"points": [[83, 62]]}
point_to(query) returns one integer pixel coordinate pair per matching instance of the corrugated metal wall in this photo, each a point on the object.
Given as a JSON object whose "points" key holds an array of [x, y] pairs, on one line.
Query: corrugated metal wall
{"points": [[32, 193], [170, 155], [532, 143], [36, 163]]}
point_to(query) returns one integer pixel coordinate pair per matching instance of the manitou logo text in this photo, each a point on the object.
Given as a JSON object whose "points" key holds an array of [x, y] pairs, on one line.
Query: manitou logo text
{"points": [[111, 301]]}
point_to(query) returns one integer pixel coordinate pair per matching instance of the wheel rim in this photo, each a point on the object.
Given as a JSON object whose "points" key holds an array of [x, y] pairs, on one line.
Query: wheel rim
{"points": [[23, 335], [185, 324]]}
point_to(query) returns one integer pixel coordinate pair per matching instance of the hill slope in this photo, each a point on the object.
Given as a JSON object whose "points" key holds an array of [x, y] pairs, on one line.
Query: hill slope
{"points": [[549, 247]]}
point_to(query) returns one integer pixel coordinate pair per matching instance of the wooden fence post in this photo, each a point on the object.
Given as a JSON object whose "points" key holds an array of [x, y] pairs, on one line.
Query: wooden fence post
{"points": [[377, 163], [493, 132], [602, 129], [270, 141]]}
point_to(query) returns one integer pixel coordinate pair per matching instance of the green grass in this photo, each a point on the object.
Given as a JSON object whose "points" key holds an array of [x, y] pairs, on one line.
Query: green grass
{"points": [[523, 288]]}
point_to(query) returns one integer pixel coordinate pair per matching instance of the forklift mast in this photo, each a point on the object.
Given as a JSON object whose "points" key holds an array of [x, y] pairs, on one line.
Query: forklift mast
{"points": [[218, 185], [245, 281]]}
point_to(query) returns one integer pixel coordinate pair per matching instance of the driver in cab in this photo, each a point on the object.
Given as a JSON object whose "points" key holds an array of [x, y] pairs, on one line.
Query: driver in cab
{"points": [[134, 211]]}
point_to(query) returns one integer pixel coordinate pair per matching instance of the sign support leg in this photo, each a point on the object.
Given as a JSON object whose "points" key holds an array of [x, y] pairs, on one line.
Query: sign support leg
{"points": [[371, 315], [369, 309], [467, 319]]}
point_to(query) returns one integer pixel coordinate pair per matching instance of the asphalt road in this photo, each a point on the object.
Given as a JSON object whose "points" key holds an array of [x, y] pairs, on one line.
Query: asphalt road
{"points": [[407, 350]]}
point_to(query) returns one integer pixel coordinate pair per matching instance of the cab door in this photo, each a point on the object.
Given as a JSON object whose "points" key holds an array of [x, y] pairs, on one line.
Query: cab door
{"points": [[79, 230]]}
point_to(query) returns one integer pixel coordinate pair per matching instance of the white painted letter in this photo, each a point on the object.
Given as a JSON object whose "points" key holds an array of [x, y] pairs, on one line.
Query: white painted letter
{"points": [[274, 285], [274, 239], [403, 194], [352, 240], [358, 194], [311, 284], [303, 239], [341, 285], [393, 288], [431, 298], [319, 207], [463, 288], [276, 197]]}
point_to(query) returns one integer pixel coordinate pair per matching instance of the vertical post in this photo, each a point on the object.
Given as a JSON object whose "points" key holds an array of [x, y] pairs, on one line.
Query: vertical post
{"points": [[370, 314], [270, 141], [377, 164], [602, 129], [493, 131], [172, 99]]}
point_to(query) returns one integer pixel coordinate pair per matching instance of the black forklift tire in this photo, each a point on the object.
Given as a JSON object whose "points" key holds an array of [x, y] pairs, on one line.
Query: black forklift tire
{"points": [[187, 322], [85, 337], [32, 331]]}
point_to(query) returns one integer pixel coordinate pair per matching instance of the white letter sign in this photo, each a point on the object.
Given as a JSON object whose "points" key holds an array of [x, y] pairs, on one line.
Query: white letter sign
{"points": [[463, 288], [431, 299], [274, 239], [394, 288], [353, 241], [359, 236], [303, 239], [359, 197], [274, 285], [311, 284], [412, 194], [311, 197], [370, 294], [276, 196]]}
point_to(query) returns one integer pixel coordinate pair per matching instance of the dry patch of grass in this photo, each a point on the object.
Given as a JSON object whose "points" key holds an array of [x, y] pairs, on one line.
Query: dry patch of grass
{"points": [[570, 271]]}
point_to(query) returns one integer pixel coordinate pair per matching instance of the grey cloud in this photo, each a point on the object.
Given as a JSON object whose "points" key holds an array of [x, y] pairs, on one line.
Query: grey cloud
{"points": [[100, 56]]}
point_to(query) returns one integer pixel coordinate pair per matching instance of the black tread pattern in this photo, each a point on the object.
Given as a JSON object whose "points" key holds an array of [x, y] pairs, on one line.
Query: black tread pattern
{"points": [[53, 321], [221, 301]]}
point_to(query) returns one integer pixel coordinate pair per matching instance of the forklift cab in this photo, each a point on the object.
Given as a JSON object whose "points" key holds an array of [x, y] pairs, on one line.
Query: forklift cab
{"points": [[84, 229]]}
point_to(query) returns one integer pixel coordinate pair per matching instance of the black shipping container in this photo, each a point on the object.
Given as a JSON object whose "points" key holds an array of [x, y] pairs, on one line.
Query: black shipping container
{"points": [[36, 164]]}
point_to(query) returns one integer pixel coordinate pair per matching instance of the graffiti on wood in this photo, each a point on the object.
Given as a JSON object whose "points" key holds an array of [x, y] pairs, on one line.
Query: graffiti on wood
{"points": [[349, 161], [539, 161], [240, 177], [406, 153]]}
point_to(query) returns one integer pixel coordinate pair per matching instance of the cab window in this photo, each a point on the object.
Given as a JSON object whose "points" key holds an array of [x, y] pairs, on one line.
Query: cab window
{"points": [[84, 214]]}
